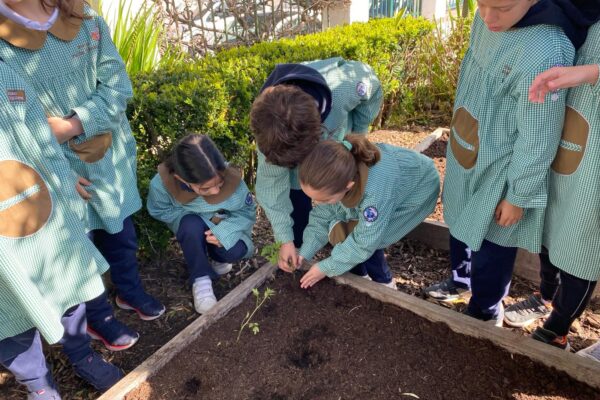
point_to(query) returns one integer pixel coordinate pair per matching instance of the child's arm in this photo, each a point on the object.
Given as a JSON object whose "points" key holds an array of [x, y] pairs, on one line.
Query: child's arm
{"points": [[240, 221], [161, 205], [562, 78], [539, 129], [367, 110], [273, 194], [105, 109], [316, 233]]}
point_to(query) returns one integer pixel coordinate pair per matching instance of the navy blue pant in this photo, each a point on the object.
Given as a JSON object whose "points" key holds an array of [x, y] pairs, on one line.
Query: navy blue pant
{"points": [[22, 354], [460, 262], [196, 250], [570, 295], [302, 204], [120, 250], [376, 267], [491, 273]]}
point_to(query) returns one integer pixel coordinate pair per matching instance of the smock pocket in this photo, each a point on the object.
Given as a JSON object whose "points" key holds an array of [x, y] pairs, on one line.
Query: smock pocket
{"points": [[464, 140], [25, 202], [340, 231], [94, 149], [572, 143]]}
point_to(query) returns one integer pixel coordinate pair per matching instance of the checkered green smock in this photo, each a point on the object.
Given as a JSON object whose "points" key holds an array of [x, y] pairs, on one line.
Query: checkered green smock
{"points": [[501, 145], [47, 263], [86, 76], [401, 191], [350, 112], [572, 231], [237, 213]]}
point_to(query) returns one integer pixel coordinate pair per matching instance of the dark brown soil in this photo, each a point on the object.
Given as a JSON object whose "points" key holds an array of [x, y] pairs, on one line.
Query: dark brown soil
{"points": [[437, 151], [331, 342]]}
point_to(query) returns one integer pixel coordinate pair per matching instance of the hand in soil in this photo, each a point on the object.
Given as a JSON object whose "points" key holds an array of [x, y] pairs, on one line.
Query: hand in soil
{"points": [[507, 214], [313, 276], [288, 257]]}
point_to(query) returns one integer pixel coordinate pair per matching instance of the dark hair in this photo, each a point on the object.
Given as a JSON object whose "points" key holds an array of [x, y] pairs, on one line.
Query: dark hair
{"points": [[286, 124], [330, 166], [66, 7], [196, 159]]}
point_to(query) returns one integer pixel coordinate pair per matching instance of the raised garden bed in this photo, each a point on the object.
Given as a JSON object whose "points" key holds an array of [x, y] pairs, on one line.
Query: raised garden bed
{"points": [[332, 342]]}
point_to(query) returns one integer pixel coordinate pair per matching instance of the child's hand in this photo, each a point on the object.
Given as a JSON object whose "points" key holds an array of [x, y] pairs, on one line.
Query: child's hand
{"points": [[65, 129], [310, 278], [212, 239], [81, 182], [561, 78], [288, 257], [507, 214]]}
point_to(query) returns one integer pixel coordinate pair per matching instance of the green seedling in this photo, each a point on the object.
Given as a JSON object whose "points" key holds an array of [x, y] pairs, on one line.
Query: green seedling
{"points": [[260, 299], [271, 253]]}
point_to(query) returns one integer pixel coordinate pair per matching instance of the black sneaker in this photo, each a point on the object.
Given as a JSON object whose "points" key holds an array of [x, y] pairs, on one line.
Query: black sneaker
{"points": [[147, 307], [98, 372], [526, 312], [447, 292], [551, 338], [114, 334]]}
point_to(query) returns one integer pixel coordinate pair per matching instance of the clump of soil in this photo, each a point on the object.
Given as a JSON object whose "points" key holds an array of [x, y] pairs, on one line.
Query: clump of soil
{"points": [[331, 342]]}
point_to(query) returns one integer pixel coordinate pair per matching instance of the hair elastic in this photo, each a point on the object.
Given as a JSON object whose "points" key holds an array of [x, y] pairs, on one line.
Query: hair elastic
{"points": [[347, 144]]}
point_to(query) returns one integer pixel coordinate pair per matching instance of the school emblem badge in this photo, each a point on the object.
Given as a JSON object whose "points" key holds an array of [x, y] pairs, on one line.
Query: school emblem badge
{"points": [[96, 35], [361, 89], [370, 214], [249, 199]]}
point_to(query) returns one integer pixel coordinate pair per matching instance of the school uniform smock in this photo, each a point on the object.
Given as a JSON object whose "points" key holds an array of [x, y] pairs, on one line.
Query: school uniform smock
{"points": [[47, 263], [230, 214], [389, 200], [572, 230], [76, 70], [349, 96], [501, 145]]}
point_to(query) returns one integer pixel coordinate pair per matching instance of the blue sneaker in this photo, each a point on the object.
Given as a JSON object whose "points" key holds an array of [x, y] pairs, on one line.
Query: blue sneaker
{"points": [[146, 306], [97, 372], [114, 334]]}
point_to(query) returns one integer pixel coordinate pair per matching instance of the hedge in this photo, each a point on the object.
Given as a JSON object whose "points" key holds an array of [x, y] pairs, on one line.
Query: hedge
{"points": [[213, 95]]}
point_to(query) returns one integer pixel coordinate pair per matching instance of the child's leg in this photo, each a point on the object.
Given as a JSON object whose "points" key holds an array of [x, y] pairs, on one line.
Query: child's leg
{"points": [[88, 364], [22, 355], [550, 277], [192, 240], [571, 299], [302, 205], [378, 268], [234, 254], [455, 288], [102, 325], [491, 273], [120, 250]]}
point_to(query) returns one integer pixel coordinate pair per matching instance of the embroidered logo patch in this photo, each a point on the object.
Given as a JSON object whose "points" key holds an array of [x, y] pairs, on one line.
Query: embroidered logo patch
{"points": [[361, 89], [249, 199], [370, 214], [16, 95], [96, 35]]}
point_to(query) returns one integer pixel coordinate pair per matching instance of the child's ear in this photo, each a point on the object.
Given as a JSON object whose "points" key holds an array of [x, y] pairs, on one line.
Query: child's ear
{"points": [[350, 185]]}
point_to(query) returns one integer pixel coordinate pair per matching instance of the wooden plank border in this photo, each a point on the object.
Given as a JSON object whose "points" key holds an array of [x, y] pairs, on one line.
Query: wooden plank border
{"points": [[580, 368], [163, 355]]}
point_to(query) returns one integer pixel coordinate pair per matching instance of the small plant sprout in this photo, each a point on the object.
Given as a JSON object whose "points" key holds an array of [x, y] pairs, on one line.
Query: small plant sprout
{"points": [[260, 299], [271, 253]]}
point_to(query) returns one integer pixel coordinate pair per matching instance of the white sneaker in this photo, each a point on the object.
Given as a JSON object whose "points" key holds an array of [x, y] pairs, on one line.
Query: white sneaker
{"points": [[592, 352], [367, 277], [391, 284], [221, 268], [204, 297]]}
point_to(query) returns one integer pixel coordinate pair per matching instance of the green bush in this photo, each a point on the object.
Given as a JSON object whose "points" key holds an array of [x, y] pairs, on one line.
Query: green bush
{"points": [[213, 95]]}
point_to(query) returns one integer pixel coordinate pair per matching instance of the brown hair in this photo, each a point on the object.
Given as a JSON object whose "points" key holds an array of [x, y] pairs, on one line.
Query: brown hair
{"points": [[286, 124], [65, 7], [330, 166]]}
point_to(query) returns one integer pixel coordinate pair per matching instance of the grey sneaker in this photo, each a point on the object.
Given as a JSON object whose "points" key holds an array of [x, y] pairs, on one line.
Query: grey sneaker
{"points": [[592, 352], [447, 292], [527, 311]]}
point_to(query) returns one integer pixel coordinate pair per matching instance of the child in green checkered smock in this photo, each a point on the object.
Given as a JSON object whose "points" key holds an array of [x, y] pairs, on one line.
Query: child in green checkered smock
{"points": [[48, 267], [299, 105], [367, 197], [500, 149], [208, 206], [570, 266], [81, 82]]}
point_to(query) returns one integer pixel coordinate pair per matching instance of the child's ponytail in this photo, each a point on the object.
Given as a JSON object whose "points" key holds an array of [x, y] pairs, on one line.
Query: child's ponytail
{"points": [[331, 165]]}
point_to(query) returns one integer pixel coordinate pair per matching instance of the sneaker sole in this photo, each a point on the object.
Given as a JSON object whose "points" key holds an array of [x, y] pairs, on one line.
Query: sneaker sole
{"points": [[460, 299], [144, 317], [96, 336], [524, 323]]}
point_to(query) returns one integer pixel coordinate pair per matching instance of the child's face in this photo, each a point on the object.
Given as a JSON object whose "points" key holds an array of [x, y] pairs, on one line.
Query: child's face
{"points": [[501, 15], [324, 197], [208, 188]]}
